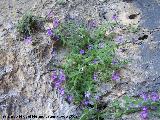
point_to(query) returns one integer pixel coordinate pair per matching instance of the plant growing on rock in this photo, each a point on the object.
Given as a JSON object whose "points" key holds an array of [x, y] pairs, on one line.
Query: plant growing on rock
{"points": [[90, 60], [28, 24], [147, 105]]}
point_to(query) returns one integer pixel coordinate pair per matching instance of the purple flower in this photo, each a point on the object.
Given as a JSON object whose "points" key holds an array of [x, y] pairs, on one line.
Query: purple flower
{"points": [[97, 97], [91, 102], [55, 22], [153, 107], [92, 23], [57, 84], [134, 40], [61, 90], [50, 14], [94, 76], [144, 114], [116, 76], [154, 96], [82, 51], [54, 76], [87, 94], [114, 62], [144, 108], [56, 37], [89, 47], [144, 96], [114, 17], [119, 39], [28, 40], [86, 102], [101, 45], [62, 76], [49, 32], [95, 61], [53, 51], [69, 98]]}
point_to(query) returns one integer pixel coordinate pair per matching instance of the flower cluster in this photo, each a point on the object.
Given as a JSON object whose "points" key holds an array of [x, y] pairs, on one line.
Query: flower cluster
{"points": [[87, 99], [154, 97], [144, 113], [58, 78], [50, 33]]}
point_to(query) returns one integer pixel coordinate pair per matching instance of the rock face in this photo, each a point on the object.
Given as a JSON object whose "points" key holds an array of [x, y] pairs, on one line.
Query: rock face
{"points": [[25, 83]]}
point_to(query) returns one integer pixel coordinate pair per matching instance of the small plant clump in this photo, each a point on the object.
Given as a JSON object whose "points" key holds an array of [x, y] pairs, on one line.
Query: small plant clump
{"points": [[91, 60], [28, 24], [147, 104]]}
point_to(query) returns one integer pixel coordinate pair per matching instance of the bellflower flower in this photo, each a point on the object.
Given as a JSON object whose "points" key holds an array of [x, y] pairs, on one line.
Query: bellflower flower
{"points": [[144, 114], [153, 108], [144, 96], [87, 94], [95, 61], [97, 97], [86, 102], [94, 76], [50, 14], [57, 84], [144, 108], [69, 98], [28, 40], [89, 47], [62, 76], [114, 17], [49, 32], [61, 90], [92, 23], [54, 76], [82, 52], [56, 37], [53, 51], [114, 62], [55, 22], [154, 96], [101, 45], [116, 76]]}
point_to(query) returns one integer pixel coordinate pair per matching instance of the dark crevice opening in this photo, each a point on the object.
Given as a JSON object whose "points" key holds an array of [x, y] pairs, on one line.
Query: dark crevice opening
{"points": [[143, 37], [132, 16], [128, 1]]}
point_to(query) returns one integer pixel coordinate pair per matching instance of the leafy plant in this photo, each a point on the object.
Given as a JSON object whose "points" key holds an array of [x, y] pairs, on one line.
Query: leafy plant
{"points": [[132, 105], [80, 68], [90, 59], [28, 24]]}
